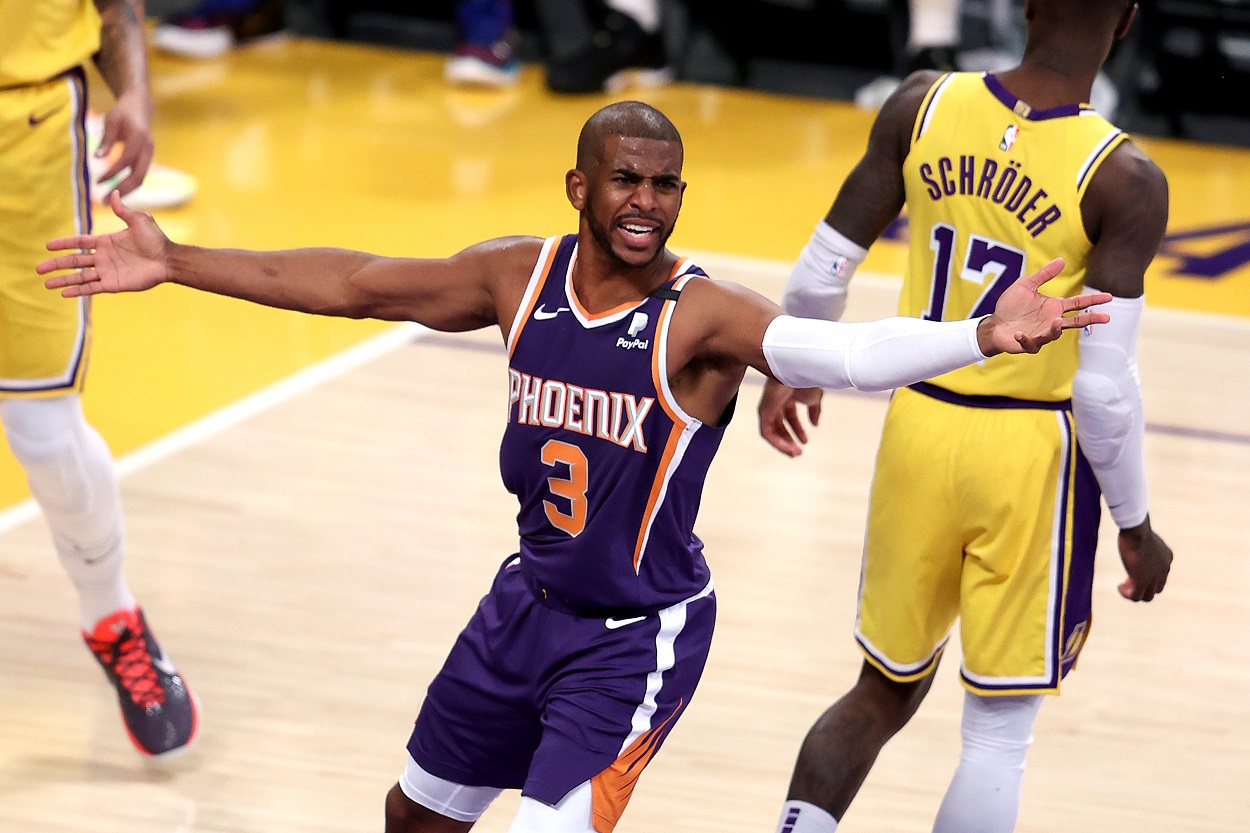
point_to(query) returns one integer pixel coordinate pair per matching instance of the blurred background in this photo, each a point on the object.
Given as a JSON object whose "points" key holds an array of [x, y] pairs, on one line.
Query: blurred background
{"points": [[1183, 71]]}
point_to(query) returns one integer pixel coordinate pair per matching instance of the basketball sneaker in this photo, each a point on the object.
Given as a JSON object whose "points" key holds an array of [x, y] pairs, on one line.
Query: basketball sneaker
{"points": [[211, 28], [195, 36], [485, 56], [160, 713], [475, 65], [622, 54], [162, 186]]}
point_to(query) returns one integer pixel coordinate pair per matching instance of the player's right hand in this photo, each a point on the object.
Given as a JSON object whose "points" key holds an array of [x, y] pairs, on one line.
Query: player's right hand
{"points": [[130, 260], [780, 422], [1147, 559]]}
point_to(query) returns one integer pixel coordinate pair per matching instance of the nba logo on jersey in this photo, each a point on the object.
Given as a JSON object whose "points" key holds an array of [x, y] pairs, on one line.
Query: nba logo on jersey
{"points": [[1009, 137], [636, 326]]}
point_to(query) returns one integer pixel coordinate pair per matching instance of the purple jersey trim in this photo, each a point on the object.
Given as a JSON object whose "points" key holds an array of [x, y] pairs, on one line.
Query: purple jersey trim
{"points": [[1095, 158], [979, 401], [1015, 105], [922, 123], [1071, 624], [71, 380]]}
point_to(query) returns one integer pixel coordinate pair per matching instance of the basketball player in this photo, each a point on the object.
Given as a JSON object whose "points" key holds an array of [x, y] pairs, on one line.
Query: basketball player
{"points": [[624, 362], [44, 340], [984, 504]]}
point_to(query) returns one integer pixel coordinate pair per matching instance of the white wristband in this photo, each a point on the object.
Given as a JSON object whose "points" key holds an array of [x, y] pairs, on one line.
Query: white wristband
{"points": [[875, 355], [818, 280]]}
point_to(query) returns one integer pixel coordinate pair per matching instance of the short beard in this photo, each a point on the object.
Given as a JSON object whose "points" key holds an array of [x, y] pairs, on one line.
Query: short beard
{"points": [[600, 233]]}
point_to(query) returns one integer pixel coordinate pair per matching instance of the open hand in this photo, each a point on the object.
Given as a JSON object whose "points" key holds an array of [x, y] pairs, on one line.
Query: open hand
{"points": [[780, 422], [130, 260], [1024, 319]]}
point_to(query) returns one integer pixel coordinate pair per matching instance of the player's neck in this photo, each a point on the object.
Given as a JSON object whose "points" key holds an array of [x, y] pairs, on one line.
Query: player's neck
{"points": [[603, 283], [1043, 87]]}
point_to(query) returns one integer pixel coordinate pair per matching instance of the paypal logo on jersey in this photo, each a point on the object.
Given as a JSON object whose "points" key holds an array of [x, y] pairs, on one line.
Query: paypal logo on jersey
{"points": [[636, 326]]}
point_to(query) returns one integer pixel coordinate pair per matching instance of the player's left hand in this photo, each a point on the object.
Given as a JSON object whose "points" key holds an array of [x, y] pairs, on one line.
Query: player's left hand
{"points": [[1024, 320], [128, 121], [1147, 560], [130, 260], [780, 422]]}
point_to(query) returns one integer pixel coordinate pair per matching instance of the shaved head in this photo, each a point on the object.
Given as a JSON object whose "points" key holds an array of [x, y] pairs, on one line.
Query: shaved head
{"points": [[631, 119]]}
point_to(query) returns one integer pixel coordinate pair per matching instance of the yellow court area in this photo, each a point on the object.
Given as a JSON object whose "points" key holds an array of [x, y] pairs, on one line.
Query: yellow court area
{"points": [[298, 143]]}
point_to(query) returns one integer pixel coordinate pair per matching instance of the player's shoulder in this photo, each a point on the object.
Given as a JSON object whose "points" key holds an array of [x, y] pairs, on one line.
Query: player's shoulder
{"points": [[504, 254], [716, 303], [520, 245], [917, 85], [705, 289], [898, 113], [1130, 175], [1130, 160]]}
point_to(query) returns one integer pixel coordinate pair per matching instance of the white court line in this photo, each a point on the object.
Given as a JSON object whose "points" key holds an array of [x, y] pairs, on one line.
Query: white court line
{"points": [[243, 409]]}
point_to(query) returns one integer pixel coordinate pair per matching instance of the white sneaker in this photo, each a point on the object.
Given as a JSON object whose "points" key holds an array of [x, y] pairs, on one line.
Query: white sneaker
{"points": [[872, 95], [193, 42], [162, 187]]}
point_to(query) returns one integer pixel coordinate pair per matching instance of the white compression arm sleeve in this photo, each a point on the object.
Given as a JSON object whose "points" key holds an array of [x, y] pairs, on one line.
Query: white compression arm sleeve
{"points": [[875, 355], [1107, 407], [818, 281]]}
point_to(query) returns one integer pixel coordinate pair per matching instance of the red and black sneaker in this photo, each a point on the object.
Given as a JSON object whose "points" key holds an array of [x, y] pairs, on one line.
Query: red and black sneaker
{"points": [[160, 712]]}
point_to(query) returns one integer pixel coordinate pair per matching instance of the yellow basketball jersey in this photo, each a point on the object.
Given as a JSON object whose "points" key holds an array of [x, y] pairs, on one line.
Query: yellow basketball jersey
{"points": [[994, 192], [40, 39]]}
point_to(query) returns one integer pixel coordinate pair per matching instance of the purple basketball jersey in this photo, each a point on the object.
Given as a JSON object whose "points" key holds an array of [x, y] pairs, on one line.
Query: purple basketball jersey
{"points": [[607, 467]]}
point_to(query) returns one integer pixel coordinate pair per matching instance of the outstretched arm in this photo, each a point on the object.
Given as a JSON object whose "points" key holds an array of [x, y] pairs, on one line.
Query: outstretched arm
{"points": [[455, 293], [730, 323]]}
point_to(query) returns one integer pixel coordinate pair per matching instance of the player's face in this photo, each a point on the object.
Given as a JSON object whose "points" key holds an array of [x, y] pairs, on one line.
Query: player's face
{"points": [[632, 198]]}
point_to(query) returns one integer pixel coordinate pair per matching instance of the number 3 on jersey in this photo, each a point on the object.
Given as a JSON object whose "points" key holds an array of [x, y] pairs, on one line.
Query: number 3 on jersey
{"points": [[571, 488], [985, 259]]}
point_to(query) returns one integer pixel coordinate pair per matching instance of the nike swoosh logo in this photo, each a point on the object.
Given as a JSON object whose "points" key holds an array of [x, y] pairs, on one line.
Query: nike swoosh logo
{"points": [[164, 664], [613, 624], [35, 121], [542, 315]]}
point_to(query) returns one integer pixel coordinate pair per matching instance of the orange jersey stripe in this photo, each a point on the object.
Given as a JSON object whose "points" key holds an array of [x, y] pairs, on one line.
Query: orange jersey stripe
{"points": [[659, 361], [529, 305], [679, 425], [617, 310], [670, 449], [611, 789]]}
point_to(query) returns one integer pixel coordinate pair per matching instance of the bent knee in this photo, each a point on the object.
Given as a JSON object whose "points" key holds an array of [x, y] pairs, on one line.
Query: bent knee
{"points": [[897, 700], [403, 815]]}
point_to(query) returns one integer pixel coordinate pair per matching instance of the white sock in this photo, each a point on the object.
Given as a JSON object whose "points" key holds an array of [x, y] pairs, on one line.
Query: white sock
{"points": [[984, 795], [801, 817], [71, 476], [646, 13]]}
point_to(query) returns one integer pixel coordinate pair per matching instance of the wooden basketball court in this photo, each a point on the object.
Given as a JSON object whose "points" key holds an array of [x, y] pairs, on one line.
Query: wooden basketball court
{"points": [[314, 506]]}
